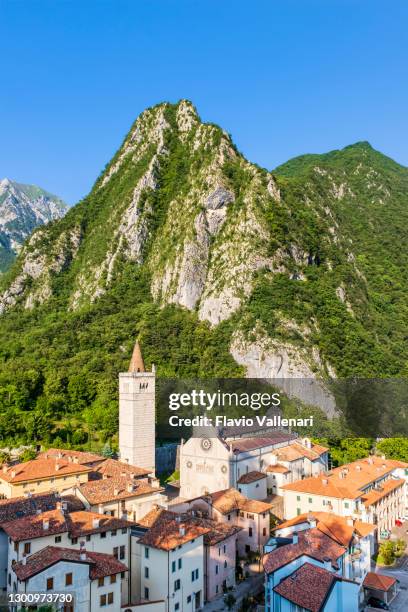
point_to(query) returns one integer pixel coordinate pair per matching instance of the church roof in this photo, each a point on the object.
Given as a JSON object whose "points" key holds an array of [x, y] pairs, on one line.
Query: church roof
{"points": [[136, 362]]}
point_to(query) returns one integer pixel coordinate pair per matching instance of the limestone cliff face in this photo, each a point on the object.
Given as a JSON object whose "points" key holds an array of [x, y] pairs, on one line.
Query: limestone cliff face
{"points": [[22, 209], [281, 258]]}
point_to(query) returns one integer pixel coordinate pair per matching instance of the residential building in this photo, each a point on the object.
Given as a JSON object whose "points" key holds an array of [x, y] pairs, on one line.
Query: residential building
{"points": [[121, 496], [99, 533], [367, 489], [307, 571], [94, 579], [73, 456], [171, 561], [220, 548], [41, 475], [380, 586], [233, 508]]}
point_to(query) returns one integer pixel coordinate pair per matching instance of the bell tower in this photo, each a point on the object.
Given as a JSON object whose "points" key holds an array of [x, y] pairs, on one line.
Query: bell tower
{"points": [[137, 413]]}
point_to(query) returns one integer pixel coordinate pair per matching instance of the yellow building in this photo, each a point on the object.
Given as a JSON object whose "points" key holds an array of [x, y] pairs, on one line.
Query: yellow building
{"points": [[39, 475]]}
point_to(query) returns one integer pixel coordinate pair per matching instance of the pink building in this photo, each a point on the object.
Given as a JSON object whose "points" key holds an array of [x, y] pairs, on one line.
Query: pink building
{"points": [[233, 508]]}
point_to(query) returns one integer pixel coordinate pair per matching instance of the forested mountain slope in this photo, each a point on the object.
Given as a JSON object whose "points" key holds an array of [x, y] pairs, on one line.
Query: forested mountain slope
{"points": [[220, 267]]}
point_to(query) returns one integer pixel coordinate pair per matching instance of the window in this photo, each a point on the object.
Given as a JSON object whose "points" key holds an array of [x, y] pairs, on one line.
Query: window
{"points": [[110, 598], [74, 540], [146, 552], [113, 579], [101, 582], [346, 504], [103, 534], [180, 562], [310, 500], [146, 593], [250, 532], [250, 516], [57, 539], [216, 588], [177, 606], [225, 549], [88, 538], [229, 517], [122, 553], [27, 548], [50, 584], [189, 599], [114, 532], [146, 572], [219, 551], [124, 530], [297, 497], [116, 553], [216, 571], [102, 600], [194, 575], [177, 584], [173, 566], [264, 531], [298, 511], [225, 564], [68, 579]]}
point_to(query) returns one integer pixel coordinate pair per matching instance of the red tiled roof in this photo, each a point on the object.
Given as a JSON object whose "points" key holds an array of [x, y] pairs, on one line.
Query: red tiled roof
{"points": [[333, 525], [107, 489], [307, 587], [243, 445], [279, 468], [111, 468], [73, 456], [100, 564], [217, 531], [379, 582], [39, 469], [170, 530], [18, 507], [37, 526], [347, 481], [296, 450], [77, 524], [228, 500], [312, 543], [375, 495], [251, 477]]}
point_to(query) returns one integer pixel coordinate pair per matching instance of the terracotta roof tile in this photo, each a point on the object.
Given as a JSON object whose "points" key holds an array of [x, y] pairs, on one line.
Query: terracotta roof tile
{"points": [[251, 477], [228, 500], [169, 530], [101, 491], [375, 495], [339, 528], [312, 543], [378, 581], [111, 468], [346, 481], [85, 522], [307, 587], [18, 507], [243, 445], [279, 468], [100, 564], [41, 468], [73, 456]]}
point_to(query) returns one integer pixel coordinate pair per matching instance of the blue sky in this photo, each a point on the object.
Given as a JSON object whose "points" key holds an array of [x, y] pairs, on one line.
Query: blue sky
{"points": [[284, 77]]}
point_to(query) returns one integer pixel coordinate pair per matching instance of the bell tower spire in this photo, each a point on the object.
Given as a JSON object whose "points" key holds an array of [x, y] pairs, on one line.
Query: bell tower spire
{"points": [[137, 419]]}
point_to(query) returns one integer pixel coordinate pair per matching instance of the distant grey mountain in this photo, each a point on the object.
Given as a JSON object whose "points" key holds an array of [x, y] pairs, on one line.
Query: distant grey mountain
{"points": [[22, 209]]}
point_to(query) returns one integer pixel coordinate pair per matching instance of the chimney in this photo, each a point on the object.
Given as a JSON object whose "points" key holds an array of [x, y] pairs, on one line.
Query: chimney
{"points": [[57, 467], [24, 560], [358, 468], [325, 481], [130, 487], [58, 505], [182, 531], [178, 519], [46, 524], [295, 538], [350, 521], [311, 520], [307, 443], [13, 473], [38, 511], [82, 554], [383, 457], [273, 460], [95, 523], [82, 545], [116, 491]]}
